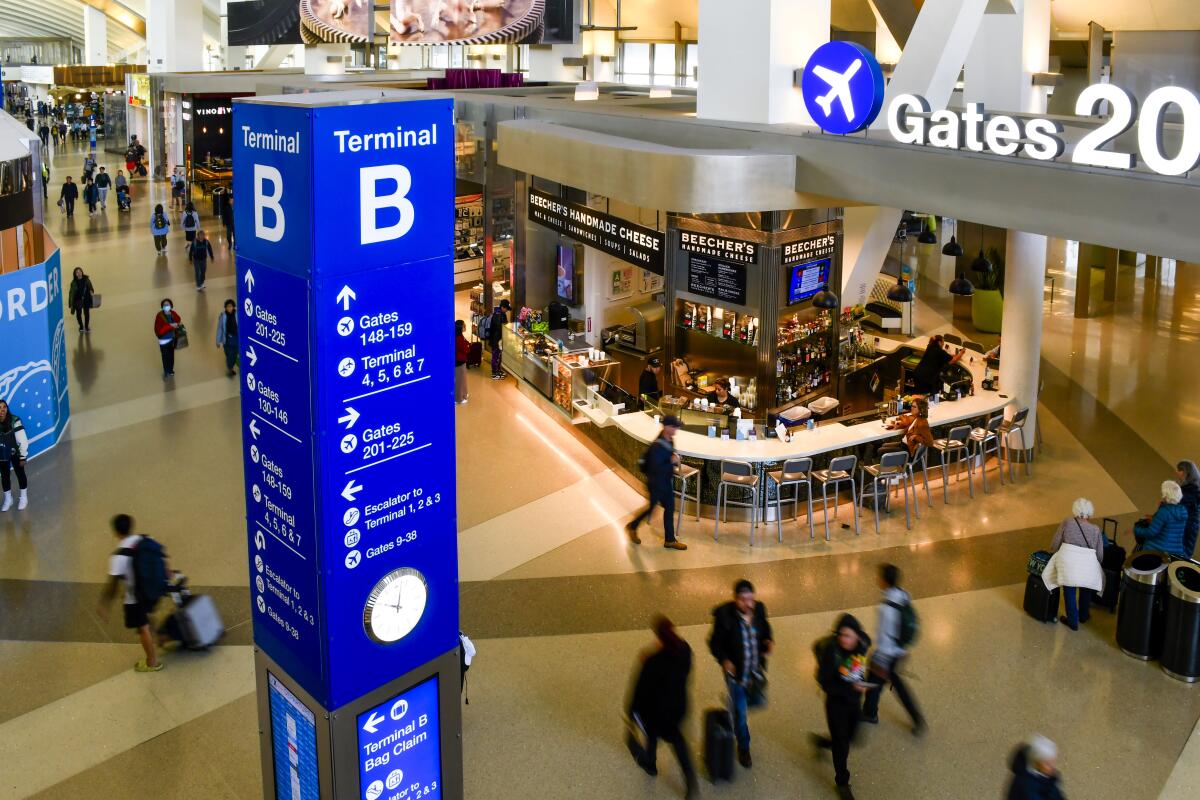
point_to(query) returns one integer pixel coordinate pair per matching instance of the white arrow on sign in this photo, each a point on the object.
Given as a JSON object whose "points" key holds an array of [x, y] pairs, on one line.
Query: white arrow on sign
{"points": [[349, 418], [372, 723], [254, 429], [351, 491], [249, 281], [344, 297], [252, 355]]}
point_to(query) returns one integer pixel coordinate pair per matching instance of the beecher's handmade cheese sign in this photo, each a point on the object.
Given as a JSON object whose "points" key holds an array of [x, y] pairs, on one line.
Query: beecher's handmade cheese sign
{"points": [[722, 247], [617, 237]]}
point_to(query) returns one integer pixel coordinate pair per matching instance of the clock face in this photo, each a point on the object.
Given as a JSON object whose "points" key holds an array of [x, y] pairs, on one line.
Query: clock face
{"points": [[395, 605]]}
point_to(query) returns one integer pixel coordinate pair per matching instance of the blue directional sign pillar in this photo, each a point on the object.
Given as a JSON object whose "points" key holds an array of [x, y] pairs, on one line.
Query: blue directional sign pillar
{"points": [[345, 214]]}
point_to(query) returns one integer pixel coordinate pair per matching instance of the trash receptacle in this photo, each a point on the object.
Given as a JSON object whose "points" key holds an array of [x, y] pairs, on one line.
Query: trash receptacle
{"points": [[1140, 613], [218, 201], [1181, 631]]}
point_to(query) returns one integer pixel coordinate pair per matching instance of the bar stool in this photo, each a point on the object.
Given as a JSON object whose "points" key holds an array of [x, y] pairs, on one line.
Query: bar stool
{"points": [[987, 440], [890, 467], [737, 475], [919, 458], [952, 338], [841, 470], [683, 474], [954, 446], [1006, 430], [795, 473], [972, 345]]}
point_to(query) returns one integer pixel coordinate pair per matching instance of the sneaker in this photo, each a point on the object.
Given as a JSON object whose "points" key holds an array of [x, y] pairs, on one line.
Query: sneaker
{"points": [[631, 530], [844, 793], [1067, 622], [8, 502], [675, 545], [744, 758], [22, 501], [142, 666], [919, 728], [462, 402], [870, 720], [649, 769]]}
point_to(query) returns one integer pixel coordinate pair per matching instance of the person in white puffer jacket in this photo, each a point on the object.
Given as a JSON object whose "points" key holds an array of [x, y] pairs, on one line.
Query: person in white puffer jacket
{"points": [[14, 450]]}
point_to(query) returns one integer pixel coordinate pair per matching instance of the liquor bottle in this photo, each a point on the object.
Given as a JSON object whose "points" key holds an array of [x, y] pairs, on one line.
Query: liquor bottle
{"points": [[688, 315]]}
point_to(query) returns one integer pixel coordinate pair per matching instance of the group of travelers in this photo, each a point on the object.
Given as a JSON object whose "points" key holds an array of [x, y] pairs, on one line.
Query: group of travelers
{"points": [[96, 183]]}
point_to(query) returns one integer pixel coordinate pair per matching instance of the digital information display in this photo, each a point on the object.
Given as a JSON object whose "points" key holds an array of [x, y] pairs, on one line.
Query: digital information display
{"points": [[294, 740], [399, 746], [807, 279]]}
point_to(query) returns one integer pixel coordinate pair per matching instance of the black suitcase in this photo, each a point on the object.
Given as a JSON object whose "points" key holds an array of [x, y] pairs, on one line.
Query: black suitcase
{"points": [[1040, 602], [718, 744], [1113, 564]]}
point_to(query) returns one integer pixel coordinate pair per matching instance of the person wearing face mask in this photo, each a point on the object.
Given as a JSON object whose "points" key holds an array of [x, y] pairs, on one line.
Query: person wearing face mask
{"points": [[227, 336], [14, 449], [167, 324]]}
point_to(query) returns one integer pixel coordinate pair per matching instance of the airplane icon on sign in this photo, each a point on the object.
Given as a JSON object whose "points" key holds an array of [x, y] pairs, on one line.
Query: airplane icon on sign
{"points": [[839, 88]]}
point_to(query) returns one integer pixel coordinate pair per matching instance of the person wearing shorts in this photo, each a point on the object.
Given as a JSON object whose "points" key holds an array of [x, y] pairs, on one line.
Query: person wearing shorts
{"points": [[121, 575]]}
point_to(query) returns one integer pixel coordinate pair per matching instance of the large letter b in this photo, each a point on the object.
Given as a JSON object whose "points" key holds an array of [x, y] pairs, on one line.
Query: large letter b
{"points": [[264, 174], [370, 203]]}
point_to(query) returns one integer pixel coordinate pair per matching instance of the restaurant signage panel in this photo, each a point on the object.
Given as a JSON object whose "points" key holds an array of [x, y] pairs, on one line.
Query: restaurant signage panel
{"points": [[722, 247], [617, 237], [719, 280]]}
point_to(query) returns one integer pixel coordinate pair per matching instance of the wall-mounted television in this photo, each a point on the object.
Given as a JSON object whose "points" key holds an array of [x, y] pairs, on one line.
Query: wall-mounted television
{"points": [[569, 273], [807, 279]]}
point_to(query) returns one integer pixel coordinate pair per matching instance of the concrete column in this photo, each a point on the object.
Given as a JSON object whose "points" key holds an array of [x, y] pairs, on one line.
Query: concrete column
{"points": [[1092, 256], [95, 37], [325, 59], [232, 57], [175, 35], [1007, 50], [749, 52], [1020, 359], [887, 49]]}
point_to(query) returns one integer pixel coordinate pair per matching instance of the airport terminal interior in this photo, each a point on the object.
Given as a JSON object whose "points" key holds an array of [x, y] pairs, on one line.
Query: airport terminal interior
{"points": [[795, 200]]}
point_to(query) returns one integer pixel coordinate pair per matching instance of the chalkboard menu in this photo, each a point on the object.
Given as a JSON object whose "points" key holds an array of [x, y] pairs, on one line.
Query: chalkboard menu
{"points": [[720, 280]]}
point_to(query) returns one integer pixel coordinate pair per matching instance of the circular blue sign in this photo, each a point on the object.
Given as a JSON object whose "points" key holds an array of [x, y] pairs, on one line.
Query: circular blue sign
{"points": [[842, 87]]}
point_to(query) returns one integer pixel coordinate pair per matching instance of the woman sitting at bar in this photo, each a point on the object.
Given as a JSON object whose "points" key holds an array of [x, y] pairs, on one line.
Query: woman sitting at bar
{"points": [[916, 429], [720, 395], [927, 375]]}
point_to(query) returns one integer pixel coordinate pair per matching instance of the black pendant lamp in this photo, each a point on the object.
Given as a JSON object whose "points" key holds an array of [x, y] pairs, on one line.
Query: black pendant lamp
{"points": [[952, 248], [825, 298], [961, 286], [981, 264], [900, 293], [926, 236]]}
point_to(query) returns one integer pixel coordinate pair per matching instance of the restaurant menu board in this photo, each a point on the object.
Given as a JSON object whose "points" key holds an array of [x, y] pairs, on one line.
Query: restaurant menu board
{"points": [[807, 279], [294, 740], [719, 280], [632, 243]]}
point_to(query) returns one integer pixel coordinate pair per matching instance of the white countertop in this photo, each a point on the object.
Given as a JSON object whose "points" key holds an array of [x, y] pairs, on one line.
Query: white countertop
{"points": [[824, 438]]}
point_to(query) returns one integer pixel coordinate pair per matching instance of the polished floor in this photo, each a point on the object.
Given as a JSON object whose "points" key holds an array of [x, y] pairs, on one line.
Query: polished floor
{"points": [[556, 599]]}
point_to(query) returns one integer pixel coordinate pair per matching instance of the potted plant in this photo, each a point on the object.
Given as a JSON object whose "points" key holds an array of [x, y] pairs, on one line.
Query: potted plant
{"points": [[987, 302]]}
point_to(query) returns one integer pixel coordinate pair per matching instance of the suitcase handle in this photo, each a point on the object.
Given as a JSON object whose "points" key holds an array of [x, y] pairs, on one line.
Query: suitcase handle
{"points": [[1116, 528]]}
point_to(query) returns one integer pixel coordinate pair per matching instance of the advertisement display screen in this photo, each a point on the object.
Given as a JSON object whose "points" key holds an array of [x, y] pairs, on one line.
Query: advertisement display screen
{"points": [[294, 742], [564, 284], [807, 279], [486, 22], [253, 22], [399, 746]]}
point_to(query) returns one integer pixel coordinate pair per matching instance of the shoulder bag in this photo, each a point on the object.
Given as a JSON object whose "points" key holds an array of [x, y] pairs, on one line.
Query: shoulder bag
{"points": [[181, 337]]}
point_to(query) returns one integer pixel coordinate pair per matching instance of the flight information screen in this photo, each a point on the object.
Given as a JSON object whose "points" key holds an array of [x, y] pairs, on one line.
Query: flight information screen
{"points": [[294, 741]]}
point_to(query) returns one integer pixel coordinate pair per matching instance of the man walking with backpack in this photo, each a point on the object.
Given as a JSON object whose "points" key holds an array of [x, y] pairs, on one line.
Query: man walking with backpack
{"points": [[896, 633], [494, 334], [140, 563], [659, 464]]}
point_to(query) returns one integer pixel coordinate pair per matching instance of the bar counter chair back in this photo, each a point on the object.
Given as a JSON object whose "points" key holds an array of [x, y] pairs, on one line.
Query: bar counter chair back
{"points": [[737, 475], [891, 466], [952, 338], [971, 345], [840, 471], [987, 440], [1015, 427], [683, 474], [795, 473], [954, 447]]}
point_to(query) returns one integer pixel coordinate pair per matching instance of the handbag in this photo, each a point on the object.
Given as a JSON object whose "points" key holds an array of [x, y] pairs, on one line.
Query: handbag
{"points": [[181, 338], [95, 301], [636, 738]]}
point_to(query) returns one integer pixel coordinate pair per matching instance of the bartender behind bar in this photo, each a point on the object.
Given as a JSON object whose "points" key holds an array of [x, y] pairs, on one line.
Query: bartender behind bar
{"points": [[648, 382], [927, 375], [720, 395]]}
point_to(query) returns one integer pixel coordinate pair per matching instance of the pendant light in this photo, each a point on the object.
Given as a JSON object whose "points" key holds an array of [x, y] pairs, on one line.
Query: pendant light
{"points": [[825, 298], [952, 248], [900, 293], [981, 264], [961, 286], [926, 236]]}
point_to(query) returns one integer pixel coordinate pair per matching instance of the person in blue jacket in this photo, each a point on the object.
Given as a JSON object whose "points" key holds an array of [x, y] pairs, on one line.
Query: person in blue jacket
{"points": [[1164, 531], [659, 465], [160, 226]]}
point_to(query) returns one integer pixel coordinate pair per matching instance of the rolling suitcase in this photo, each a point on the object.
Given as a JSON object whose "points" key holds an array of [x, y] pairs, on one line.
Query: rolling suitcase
{"points": [[718, 744], [1113, 564], [198, 623], [475, 354], [1040, 602]]}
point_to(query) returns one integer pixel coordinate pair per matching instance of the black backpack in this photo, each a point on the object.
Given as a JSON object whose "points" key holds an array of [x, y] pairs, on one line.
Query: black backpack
{"points": [[149, 570], [909, 625]]}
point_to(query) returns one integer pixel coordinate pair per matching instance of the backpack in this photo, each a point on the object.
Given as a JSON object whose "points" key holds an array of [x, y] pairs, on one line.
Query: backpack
{"points": [[909, 625], [485, 327], [149, 571], [189, 221]]}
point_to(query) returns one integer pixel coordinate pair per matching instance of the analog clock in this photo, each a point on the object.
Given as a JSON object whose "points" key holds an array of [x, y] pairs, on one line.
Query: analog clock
{"points": [[395, 605]]}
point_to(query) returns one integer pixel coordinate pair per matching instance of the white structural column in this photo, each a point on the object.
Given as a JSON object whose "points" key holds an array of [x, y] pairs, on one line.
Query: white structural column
{"points": [[232, 57], [1024, 289], [325, 59], [95, 37], [1007, 50], [175, 35], [929, 66], [749, 52]]}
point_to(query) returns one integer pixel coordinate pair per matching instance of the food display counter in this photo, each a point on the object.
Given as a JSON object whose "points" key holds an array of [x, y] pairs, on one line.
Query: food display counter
{"points": [[560, 365]]}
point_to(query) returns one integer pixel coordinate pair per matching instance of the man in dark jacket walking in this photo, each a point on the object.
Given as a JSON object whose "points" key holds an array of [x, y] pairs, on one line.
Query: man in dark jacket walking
{"points": [[741, 640], [842, 673], [660, 700], [659, 464], [1035, 771], [495, 334], [103, 184], [68, 196]]}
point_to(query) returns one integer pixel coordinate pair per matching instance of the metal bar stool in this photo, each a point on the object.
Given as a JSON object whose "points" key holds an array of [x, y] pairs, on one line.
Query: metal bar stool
{"points": [[954, 446], [795, 473], [952, 338], [737, 475], [1016, 425], [890, 467], [987, 440], [683, 474], [920, 458], [841, 470], [972, 345]]}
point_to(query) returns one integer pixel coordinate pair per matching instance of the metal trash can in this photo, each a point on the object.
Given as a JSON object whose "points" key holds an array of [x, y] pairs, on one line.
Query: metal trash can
{"points": [[1140, 612], [218, 201], [1181, 631]]}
